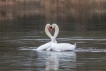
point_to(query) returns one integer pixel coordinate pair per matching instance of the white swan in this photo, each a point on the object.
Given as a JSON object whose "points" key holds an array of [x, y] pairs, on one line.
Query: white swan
{"points": [[47, 45], [59, 46]]}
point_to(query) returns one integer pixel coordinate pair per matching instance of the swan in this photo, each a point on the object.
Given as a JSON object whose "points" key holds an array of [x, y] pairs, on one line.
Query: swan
{"points": [[47, 45], [59, 46]]}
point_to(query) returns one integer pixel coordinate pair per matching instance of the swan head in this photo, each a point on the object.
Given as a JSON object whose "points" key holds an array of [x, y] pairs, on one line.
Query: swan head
{"points": [[50, 28], [54, 25], [47, 25]]}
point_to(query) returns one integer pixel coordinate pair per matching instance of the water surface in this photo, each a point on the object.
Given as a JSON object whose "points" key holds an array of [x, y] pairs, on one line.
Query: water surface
{"points": [[18, 44], [22, 24]]}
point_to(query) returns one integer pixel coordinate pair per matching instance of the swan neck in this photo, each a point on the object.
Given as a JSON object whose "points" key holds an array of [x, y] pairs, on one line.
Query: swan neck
{"points": [[47, 32], [56, 31]]}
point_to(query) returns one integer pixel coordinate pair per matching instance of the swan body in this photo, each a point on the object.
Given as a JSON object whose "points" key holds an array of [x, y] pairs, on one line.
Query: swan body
{"points": [[46, 45], [60, 46]]}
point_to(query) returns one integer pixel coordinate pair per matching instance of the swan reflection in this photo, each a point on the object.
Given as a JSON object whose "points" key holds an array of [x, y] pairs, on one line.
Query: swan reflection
{"points": [[60, 61]]}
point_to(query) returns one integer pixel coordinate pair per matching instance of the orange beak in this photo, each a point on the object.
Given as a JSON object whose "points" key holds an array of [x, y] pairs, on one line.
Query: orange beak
{"points": [[50, 29]]}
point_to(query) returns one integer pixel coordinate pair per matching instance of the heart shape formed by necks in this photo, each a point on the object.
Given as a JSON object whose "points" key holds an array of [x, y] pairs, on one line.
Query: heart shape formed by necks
{"points": [[49, 28]]}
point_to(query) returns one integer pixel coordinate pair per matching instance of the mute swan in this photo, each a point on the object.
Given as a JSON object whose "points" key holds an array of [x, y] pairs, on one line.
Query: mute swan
{"points": [[59, 46], [47, 45]]}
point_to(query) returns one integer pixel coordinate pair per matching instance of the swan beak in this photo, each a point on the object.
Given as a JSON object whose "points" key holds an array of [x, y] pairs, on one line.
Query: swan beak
{"points": [[50, 29]]}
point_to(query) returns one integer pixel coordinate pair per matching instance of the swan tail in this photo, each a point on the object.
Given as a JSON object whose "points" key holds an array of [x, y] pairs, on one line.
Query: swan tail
{"points": [[75, 44]]}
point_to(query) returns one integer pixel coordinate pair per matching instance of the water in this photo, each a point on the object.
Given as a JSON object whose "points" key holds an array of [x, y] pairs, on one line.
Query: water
{"points": [[17, 53], [18, 42]]}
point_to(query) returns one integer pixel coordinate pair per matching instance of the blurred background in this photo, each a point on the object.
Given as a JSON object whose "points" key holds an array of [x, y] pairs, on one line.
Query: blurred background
{"points": [[79, 16]]}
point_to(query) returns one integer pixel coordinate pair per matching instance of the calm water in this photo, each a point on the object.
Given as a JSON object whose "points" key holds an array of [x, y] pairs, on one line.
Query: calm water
{"points": [[19, 41]]}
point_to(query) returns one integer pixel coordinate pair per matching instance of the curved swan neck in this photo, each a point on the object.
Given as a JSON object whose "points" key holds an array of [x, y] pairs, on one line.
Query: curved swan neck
{"points": [[56, 30], [47, 32]]}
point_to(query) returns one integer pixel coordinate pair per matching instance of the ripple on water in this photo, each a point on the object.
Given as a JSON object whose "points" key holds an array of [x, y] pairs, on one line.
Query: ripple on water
{"points": [[89, 50], [76, 50]]}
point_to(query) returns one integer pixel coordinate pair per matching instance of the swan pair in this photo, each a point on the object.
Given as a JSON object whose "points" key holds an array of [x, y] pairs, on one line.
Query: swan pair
{"points": [[53, 45]]}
